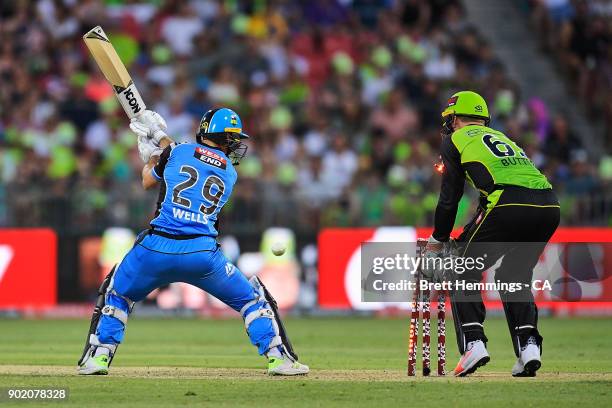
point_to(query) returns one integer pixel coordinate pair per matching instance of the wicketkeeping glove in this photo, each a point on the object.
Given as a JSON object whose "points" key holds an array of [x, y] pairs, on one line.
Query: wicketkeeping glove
{"points": [[433, 271]]}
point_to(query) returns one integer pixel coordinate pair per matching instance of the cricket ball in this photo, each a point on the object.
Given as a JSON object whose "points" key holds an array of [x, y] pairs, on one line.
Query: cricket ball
{"points": [[278, 248]]}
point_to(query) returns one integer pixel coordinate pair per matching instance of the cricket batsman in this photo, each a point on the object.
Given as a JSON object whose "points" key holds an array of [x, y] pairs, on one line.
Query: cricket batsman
{"points": [[518, 208], [195, 181]]}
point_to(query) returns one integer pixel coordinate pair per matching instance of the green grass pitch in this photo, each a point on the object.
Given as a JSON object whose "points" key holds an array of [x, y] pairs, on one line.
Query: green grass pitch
{"points": [[354, 362]]}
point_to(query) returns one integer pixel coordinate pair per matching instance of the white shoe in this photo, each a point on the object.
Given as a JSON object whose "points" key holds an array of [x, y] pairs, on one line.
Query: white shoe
{"points": [[96, 364], [529, 361], [475, 356], [518, 369], [286, 366]]}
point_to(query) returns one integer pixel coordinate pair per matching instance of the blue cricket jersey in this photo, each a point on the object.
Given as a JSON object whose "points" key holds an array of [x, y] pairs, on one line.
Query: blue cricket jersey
{"points": [[197, 180]]}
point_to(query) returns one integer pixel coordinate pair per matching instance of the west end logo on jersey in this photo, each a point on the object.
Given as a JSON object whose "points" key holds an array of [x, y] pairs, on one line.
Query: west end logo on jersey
{"points": [[209, 157]]}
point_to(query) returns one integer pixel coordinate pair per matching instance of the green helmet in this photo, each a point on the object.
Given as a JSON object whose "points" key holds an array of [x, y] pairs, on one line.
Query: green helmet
{"points": [[464, 103], [467, 103]]}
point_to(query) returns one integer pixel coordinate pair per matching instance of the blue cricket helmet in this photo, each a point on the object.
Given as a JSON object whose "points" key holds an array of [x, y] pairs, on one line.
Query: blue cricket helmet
{"points": [[224, 127], [220, 121]]}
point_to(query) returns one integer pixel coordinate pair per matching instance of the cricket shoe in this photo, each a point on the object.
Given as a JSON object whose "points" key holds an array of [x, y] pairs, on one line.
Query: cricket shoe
{"points": [[529, 361], [475, 356], [286, 366], [96, 364]]}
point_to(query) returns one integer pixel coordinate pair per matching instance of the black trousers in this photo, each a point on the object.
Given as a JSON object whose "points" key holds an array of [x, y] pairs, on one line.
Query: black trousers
{"points": [[516, 228]]}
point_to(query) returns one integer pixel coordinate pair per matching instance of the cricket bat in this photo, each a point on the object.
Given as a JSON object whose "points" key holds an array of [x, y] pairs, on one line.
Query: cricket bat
{"points": [[114, 71]]}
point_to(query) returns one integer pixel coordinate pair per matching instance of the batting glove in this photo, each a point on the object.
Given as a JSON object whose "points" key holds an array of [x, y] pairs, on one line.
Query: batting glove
{"points": [[147, 148], [153, 122]]}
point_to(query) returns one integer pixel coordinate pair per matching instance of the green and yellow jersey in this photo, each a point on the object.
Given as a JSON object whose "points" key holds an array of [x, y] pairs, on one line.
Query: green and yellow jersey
{"points": [[490, 158], [490, 161]]}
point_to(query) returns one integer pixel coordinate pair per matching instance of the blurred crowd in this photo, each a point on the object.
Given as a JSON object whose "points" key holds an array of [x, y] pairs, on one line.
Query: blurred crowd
{"points": [[342, 99], [578, 33]]}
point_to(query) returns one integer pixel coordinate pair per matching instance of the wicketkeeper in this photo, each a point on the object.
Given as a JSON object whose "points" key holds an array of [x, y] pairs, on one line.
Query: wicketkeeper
{"points": [[517, 208], [195, 181]]}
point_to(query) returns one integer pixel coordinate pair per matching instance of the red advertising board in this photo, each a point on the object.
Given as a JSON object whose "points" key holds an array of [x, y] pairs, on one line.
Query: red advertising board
{"points": [[336, 246], [28, 268], [339, 280]]}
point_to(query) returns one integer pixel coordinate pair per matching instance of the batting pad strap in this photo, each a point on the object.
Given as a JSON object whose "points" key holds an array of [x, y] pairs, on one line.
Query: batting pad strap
{"points": [[275, 342], [115, 312], [128, 300], [246, 307], [266, 313], [94, 341]]}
